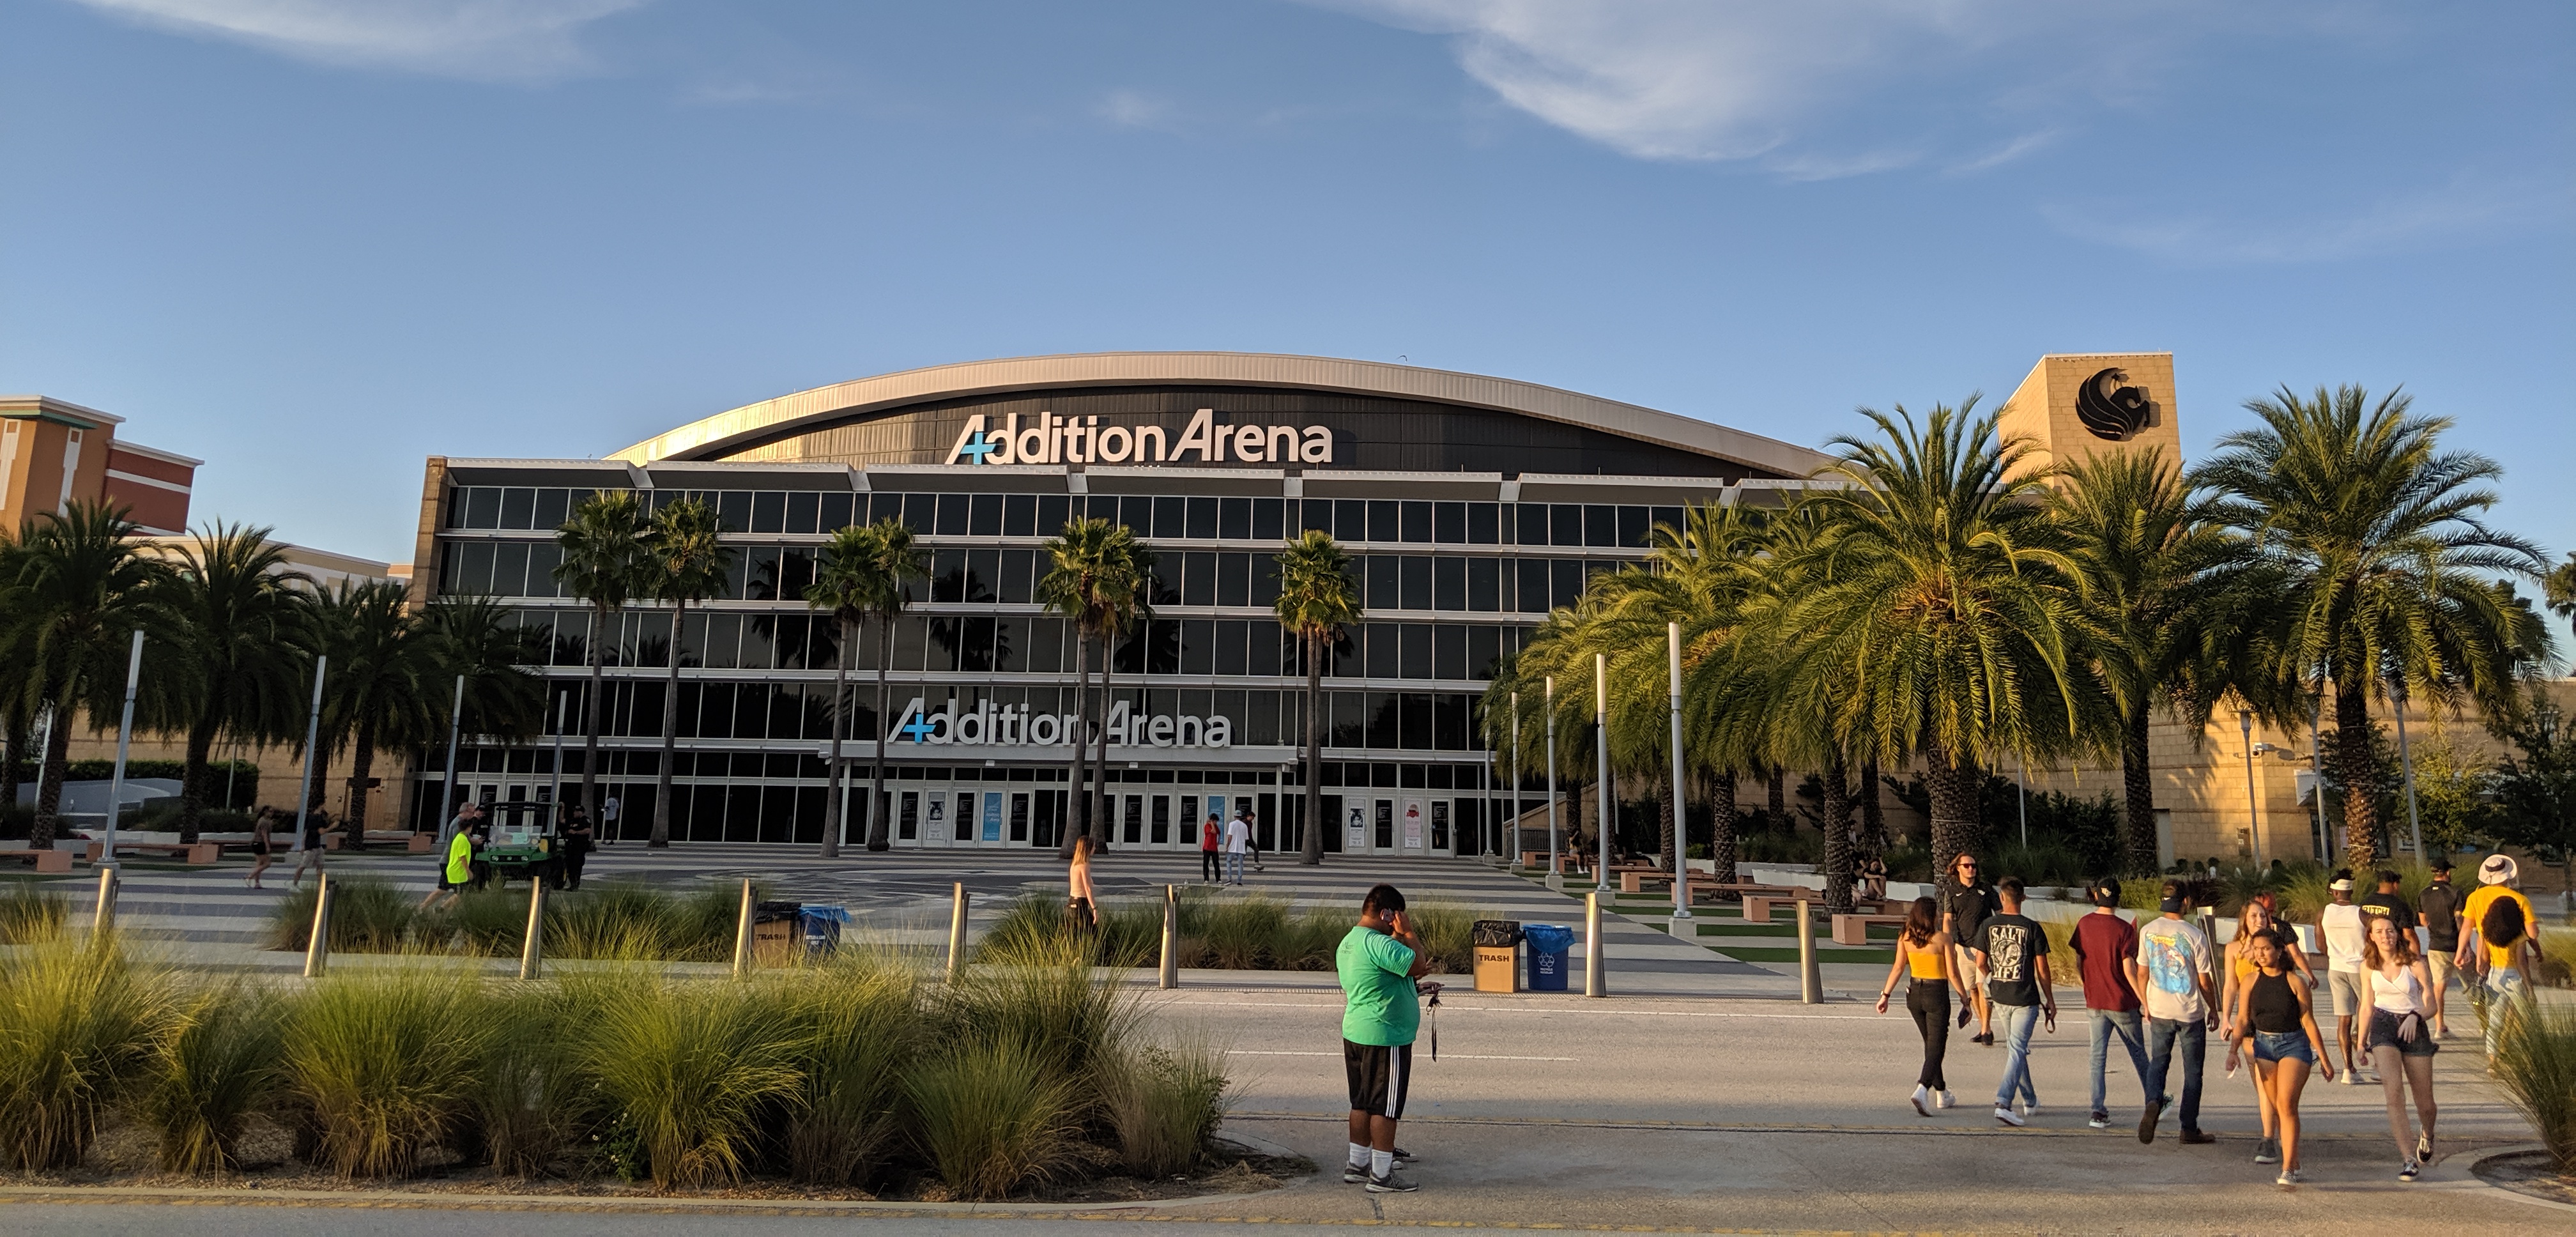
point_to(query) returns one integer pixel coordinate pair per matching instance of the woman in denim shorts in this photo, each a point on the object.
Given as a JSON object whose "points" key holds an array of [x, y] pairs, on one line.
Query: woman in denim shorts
{"points": [[2277, 1026], [2398, 990]]}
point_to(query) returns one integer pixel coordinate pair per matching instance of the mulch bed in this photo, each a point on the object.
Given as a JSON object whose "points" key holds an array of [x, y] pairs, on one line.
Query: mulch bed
{"points": [[2527, 1172]]}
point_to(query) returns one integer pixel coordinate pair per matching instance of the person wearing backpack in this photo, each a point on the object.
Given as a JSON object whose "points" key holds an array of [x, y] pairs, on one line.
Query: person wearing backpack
{"points": [[2499, 943]]}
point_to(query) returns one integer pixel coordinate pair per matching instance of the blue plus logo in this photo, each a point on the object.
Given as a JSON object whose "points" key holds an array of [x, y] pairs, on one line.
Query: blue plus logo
{"points": [[918, 729], [978, 447]]}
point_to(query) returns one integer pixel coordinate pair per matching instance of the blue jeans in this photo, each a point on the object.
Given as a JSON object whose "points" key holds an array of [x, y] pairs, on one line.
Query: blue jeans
{"points": [[1234, 867], [2162, 1033], [2125, 1022], [2016, 1022], [2506, 991]]}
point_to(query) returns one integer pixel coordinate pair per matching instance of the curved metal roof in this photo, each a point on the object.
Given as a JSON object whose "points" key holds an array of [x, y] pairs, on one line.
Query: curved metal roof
{"points": [[713, 437]]}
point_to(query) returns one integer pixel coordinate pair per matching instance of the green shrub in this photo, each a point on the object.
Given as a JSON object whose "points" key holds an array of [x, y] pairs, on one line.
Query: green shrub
{"points": [[1308, 940], [28, 913], [1241, 932], [529, 1100], [993, 1114], [858, 1023], [368, 915], [217, 1069], [1044, 998], [1448, 935], [490, 922], [80, 1028], [2536, 1062], [386, 1065], [1164, 1103], [693, 1066]]}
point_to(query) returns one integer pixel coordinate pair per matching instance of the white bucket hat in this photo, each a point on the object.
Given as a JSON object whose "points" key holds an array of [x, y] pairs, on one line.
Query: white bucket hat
{"points": [[2497, 870]]}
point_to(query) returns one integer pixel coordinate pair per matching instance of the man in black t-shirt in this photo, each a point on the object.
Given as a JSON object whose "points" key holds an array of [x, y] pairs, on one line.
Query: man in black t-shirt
{"points": [[2389, 903], [2440, 915], [1965, 903], [2014, 953]]}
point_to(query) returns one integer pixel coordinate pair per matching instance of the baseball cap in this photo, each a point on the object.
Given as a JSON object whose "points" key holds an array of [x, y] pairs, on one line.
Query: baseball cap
{"points": [[2497, 870], [2344, 885]]}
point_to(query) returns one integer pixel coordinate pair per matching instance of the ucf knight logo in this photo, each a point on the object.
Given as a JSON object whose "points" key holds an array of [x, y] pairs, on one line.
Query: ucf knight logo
{"points": [[2108, 408]]}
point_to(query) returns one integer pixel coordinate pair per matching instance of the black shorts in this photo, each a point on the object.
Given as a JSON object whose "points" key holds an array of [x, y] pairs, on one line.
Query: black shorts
{"points": [[1379, 1076]]}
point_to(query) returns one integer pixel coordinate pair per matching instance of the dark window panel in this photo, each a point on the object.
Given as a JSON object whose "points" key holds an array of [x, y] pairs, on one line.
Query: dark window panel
{"points": [[1266, 519], [984, 516], [1349, 720], [1417, 521], [1018, 573], [510, 570], [1199, 524], [1167, 580], [1315, 514], [787, 721], [1565, 524], [1231, 639], [1054, 512], [1484, 584], [554, 506], [1484, 649], [768, 511], [882, 506], [482, 506], [1234, 518], [795, 573], [1010, 645], [761, 571], [1449, 651], [956, 514], [1484, 524], [1020, 515], [976, 655], [1596, 567], [1632, 526], [1417, 724], [1449, 583], [948, 576], [1233, 579], [1198, 645], [1416, 659], [1384, 575], [1350, 520], [722, 645], [1046, 653], [1530, 577], [983, 571], [1198, 577], [1600, 524], [1416, 594], [1129, 656], [1385, 520], [1265, 579], [834, 512], [801, 506], [1449, 523], [1669, 517], [1384, 655], [518, 507], [733, 510], [715, 710], [1163, 652], [922, 512], [1171, 518], [1450, 731], [1138, 515], [1565, 579]]}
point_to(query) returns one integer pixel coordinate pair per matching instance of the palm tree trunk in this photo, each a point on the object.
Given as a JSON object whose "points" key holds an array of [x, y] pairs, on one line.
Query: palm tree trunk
{"points": [[2360, 777], [1952, 786], [1100, 821], [16, 725], [1077, 804], [2140, 792], [661, 835], [192, 779], [880, 832], [590, 723], [833, 806], [1722, 826], [1836, 793], [1779, 798], [1873, 818], [49, 782], [1311, 852], [355, 809]]}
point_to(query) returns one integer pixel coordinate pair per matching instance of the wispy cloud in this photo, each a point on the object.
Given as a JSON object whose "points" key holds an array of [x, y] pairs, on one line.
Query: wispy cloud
{"points": [[2463, 207], [505, 40], [2026, 144], [1136, 109]]}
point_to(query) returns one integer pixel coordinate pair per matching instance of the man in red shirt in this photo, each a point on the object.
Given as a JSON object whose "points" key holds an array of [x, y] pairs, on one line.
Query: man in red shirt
{"points": [[2103, 941], [1208, 835]]}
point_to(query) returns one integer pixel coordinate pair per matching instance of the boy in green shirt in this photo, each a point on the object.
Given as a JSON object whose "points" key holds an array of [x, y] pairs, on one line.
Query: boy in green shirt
{"points": [[1378, 961]]}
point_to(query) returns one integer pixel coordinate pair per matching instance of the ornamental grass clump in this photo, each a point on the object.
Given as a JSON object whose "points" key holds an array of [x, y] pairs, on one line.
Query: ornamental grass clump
{"points": [[994, 1114], [1043, 997], [695, 1068], [530, 1102], [2536, 1063], [29, 913], [385, 1066], [1241, 933], [219, 1066], [368, 915], [81, 1026], [1164, 1102], [859, 1023]]}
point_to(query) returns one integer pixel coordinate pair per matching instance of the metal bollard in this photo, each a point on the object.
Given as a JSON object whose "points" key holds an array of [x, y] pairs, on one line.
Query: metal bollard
{"points": [[742, 935], [532, 951], [103, 920], [1171, 936], [957, 934], [317, 947], [1811, 984], [1596, 970]]}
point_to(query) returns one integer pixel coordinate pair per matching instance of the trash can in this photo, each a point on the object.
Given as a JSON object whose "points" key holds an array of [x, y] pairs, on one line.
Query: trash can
{"points": [[1497, 944], [1551, 946], [822, 927], [774, 932]]}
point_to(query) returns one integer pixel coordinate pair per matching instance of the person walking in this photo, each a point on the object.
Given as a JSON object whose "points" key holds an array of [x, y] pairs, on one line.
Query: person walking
{"points": [[1377, 962], [456, 870], [262, 844], [1965, 903], [315, 822], [608, 810], [2399, 988], [2255, 927], [1209, 836], [2500, 941], [2013, 952], [1082, 905], [2104, 943], [577, 842], [1238, 837], [2279, 1031], [1923, 954], [1251, 834], [2389, 902], [2171, 973], [2438, 907], [2340, 923]]}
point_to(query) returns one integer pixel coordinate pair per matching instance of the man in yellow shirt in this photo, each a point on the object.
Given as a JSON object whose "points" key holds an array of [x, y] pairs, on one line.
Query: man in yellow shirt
{"points": [[2499, 965], [457, 870]]}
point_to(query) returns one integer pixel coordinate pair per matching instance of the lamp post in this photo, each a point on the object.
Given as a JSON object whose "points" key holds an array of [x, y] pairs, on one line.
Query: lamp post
{"points": [[1681, 802], [2405, 764], [1601, 768], [312, 735], [1513, 779], [1555, 868], [2253, 809], [447, 791], [124, 740], [2317, 766]]}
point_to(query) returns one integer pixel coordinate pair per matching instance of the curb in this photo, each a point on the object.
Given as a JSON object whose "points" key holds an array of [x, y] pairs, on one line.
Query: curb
{"points": [[2508, 1191], [463, 1201]]}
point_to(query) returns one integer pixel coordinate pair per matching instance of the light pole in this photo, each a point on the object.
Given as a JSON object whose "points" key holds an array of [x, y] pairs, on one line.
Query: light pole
{"points": [[2317, 767], [2253, 809], [1555, 867], [1681, 802], [1512, 778], [312, 735], [124, 740], [2405, 764], [1601, 768], [447, 792]]}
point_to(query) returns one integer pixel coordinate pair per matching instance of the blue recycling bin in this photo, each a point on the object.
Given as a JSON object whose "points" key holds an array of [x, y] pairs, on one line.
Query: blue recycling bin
{"points": [[1551, 949], [822, 929]]}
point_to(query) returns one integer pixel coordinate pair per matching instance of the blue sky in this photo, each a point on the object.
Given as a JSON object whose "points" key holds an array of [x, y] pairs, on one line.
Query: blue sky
{"points": [[316, 242]]}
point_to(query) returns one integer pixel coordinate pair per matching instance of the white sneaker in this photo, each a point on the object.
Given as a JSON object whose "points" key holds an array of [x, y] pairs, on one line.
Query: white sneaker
{"points": [[1923, 1101], [2006, 1116], [1947, 1100], [2290, 1176], [2030, 1110]]}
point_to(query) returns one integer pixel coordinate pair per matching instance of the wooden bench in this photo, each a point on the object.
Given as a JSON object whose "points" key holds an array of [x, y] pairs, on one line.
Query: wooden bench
{"points": [[1633, 876], [1567, 862], [1854, 929], [44, 860], [1758, 906], [337, 839], [195, 853]]}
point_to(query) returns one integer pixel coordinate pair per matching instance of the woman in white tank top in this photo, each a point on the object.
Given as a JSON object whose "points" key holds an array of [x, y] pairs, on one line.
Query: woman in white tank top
{"points": [[2394, 983]]}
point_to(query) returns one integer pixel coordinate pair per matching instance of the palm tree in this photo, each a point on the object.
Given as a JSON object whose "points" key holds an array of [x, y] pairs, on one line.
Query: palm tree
{"points": [[253, 622], [604, 564], [1098, 578], [1943, 620], [76, 590], [682, 562], [380, 692], [479, 640], [1317, 599], [2161, 583], [2383, 563], [861, 578], [2558, 591]]}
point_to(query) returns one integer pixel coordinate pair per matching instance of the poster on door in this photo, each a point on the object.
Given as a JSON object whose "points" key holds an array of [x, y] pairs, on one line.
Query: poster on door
{"points": [[1358, 839], [1413, 824], [992, 816]]}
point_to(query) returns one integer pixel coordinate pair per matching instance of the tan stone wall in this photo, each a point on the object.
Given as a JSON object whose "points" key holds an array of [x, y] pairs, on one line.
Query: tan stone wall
{"points": [[279, 767], [2042, 409]]}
